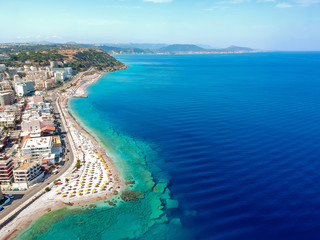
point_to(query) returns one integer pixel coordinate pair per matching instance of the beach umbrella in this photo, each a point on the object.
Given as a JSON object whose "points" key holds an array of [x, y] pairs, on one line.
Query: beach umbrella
{"points": [[96, 185], [86, 190], [71, 193], [93, 190], [57, 191], [62, 193], [81, 183], [105, 181], [79, 192]]}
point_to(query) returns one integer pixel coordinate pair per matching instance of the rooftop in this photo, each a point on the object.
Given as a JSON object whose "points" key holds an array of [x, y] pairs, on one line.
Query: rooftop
{"points": [[26, 166], [39, 142]]}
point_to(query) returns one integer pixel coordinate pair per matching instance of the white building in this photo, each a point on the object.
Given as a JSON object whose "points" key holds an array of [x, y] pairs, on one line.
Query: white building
{"points": [[32, 68], [7, 119], [26, 68], [36, 147], [2, 67], [24, 88], [27, 174], [60, 76]]}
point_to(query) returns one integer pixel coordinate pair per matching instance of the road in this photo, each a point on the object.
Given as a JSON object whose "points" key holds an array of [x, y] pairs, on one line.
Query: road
{"points": [[22, 197]]}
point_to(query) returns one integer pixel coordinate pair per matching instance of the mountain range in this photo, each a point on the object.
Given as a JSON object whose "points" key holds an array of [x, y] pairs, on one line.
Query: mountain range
{"points": [[161, 48]]}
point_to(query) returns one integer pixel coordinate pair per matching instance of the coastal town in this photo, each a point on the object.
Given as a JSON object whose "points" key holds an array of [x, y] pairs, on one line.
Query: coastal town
{"points": [[44, 153]]}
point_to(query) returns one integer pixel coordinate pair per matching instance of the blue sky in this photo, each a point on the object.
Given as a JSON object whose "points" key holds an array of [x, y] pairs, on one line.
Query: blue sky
{"points": [[261, 24]]}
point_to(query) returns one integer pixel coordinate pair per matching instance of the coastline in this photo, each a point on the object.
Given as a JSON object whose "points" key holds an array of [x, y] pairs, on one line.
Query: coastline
{"points": [[44, 204], [192, 53]]}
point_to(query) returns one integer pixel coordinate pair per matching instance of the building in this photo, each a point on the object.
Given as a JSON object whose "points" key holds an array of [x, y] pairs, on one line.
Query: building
{"points": [[12, 71], [6, 98], [2, 76], [4, 138], [48, 159], [33, 68], [24, 88], [8, 119], [27, 174], [53, 64], [2, 67], [68, 70], [6, 170], [1, 195], [37, 128], [35, 147], [60, 75]]}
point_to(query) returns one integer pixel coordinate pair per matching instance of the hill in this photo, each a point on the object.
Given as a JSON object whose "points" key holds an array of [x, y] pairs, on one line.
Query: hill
{"points": [[181, 48], [67, 55], [233, 49]]}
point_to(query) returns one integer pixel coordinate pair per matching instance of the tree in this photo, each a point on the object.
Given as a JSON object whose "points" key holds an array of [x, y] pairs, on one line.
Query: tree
{"points": [[78, 164]]}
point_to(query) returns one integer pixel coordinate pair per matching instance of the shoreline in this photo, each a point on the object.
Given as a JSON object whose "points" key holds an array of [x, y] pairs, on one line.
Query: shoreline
{"points": [[191, 53], [44, 205]]}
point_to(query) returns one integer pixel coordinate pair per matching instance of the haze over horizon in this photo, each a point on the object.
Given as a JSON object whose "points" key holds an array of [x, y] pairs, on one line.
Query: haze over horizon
{"points": [[258, 24]]}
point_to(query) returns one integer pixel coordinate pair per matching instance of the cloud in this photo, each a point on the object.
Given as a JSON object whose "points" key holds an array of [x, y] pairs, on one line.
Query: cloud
{"points": [[230, 2], [261, 1], [158, 1], [307, 3], [284, 5]]}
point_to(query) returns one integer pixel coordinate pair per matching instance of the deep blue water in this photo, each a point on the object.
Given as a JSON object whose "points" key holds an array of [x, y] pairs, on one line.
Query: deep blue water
{"points": [[238, 136]]}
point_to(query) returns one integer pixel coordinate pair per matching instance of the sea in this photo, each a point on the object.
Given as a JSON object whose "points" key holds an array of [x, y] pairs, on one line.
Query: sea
{"points": [[223, 147]]}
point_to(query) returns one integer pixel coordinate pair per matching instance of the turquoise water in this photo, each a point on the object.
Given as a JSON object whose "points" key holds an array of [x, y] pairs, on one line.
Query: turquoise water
{"points": [[235, 138], [144, 218]]}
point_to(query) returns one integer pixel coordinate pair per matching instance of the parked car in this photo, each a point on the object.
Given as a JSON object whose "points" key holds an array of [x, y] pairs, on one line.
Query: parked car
{"points": [[1, 208]]}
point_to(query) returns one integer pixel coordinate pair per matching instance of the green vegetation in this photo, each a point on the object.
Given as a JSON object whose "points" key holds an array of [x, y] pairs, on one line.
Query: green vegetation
{"points": [[78, 164], [42, 58], [14, 48], [2, 201], [80, 59], [47, 189], [93, 58]]}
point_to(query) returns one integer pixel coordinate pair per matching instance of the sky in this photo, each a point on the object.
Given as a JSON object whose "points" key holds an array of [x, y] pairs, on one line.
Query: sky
{"points": [[290, 25]]}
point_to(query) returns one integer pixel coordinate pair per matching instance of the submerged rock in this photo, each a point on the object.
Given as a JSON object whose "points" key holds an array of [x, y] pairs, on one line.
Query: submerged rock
{"points": [[111, 203], [160, 187], [130, 182], [131, 195]]}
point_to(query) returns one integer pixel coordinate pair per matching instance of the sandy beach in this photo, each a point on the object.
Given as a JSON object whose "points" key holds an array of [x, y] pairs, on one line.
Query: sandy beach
{"points": [[98, 169]]}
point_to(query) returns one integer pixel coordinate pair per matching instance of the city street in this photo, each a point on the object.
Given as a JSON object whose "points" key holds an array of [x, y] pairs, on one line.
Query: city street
{"points": [[23, 196]]}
